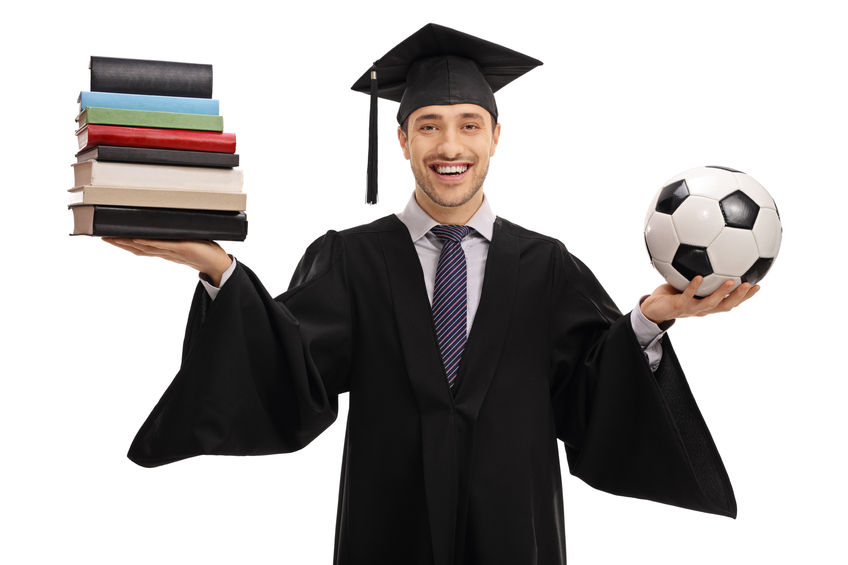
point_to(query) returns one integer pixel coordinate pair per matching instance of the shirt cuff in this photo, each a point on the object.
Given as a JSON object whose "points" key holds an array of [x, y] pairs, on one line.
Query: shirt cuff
{"points": [[211, 289], [647, 332]]}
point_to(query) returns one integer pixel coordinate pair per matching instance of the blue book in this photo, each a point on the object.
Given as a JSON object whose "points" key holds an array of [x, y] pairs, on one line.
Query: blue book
{"points": [[148, 102]]}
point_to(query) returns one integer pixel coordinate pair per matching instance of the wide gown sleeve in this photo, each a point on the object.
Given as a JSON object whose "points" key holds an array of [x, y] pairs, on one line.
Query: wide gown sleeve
{"points": [[626, 430], [259, 375]]}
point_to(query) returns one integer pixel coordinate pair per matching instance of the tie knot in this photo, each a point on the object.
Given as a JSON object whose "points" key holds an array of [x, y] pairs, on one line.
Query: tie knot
{"points": [[450, 232]]}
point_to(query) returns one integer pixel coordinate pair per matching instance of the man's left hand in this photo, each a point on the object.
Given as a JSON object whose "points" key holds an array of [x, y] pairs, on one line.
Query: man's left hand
{"points": [[667, 303]]}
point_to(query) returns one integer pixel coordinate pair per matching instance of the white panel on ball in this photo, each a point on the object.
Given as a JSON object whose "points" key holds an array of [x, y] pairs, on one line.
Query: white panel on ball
{"points": [[755, 190], [733, 252], [712, 282], [698, 220], [711, 182], [767, 232], [661, 237], [671, 275], [651, 208]]}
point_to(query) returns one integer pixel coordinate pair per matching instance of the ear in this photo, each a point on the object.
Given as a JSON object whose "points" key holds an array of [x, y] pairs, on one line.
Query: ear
{"points": [[496, 134], [404, 143]]}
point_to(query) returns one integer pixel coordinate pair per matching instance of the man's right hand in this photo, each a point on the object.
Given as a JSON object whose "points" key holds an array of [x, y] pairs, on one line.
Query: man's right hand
{"points": [[206, 256]]}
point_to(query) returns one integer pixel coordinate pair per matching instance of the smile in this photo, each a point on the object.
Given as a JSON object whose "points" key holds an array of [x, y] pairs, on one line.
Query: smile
{"points": [[453, 171]]}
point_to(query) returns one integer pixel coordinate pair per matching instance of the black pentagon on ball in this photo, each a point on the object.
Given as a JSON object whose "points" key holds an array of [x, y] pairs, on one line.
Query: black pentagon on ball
{"points": [[672, 196], [739, 210], [690, 261], [723, 168], [758, 270]]}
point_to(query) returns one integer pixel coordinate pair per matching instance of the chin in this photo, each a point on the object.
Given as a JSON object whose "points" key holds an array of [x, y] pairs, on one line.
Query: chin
{"points": [[450, 198]]}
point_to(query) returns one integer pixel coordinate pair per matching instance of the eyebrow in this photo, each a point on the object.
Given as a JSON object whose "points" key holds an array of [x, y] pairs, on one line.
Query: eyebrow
{"points": [[464, 116], [428, 117]]}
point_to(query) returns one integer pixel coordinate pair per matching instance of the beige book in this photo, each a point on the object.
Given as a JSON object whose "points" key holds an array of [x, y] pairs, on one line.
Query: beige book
{"points": [[103, 173], [158, 198]]}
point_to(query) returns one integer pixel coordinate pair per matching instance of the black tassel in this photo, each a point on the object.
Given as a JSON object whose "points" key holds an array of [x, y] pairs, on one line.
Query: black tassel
{"points": [[371, 194]]}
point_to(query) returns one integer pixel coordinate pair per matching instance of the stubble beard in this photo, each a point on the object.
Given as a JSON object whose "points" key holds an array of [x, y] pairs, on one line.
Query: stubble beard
{"points": [[427, 187]]}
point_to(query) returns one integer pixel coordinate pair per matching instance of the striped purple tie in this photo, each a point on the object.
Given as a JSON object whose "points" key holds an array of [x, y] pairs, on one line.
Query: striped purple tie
{"points": [[450, 298]]}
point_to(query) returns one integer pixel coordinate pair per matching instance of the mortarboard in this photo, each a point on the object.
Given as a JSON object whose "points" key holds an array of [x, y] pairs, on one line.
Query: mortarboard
{"points": [[437, 65]]}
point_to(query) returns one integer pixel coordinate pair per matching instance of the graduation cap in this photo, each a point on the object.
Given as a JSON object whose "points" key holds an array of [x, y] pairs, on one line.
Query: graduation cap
{"points": [[437, 65]]}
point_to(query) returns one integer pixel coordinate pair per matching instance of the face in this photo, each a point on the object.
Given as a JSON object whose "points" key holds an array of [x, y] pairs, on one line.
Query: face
{"points": [[449, 148]]}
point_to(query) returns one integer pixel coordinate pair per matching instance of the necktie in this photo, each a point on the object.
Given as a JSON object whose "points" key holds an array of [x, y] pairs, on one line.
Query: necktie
{"points": [[450, 298]]}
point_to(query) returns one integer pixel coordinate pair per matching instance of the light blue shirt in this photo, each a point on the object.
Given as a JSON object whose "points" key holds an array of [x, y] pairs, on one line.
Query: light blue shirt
{"points": [[476, 248]]}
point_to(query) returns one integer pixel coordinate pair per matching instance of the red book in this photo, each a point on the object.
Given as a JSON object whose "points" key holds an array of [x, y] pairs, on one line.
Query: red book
{"points": [[193, 140]]}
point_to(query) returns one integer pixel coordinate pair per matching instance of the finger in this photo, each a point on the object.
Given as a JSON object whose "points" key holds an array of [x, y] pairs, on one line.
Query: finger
{"points": [[689, 291], [754, 290], [122, 243], [170, 245], [130, 244], [146, 250], [735, 298], [115, 240], [119, 240], [159, 245], [715, 302], [129, 248], [148, 244], [708, 304], [718, 296]]}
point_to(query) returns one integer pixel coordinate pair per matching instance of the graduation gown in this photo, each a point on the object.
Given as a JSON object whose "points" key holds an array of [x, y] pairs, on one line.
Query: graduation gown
{"points": [[432, 476]]}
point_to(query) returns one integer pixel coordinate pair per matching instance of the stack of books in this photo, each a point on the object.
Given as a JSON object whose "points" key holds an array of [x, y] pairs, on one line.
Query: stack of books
{"points": [[154, 161]]}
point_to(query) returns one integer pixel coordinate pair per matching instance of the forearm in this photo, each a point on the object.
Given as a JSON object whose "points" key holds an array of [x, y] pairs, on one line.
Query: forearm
{"points": [[648, 334], [213, 287], [215, 271]]}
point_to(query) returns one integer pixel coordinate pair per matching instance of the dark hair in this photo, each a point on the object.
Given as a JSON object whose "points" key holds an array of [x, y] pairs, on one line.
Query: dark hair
{"points": [[404, 127]]}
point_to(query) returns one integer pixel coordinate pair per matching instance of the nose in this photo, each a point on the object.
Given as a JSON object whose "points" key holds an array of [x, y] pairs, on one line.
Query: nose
{"points": [[449, 144]]}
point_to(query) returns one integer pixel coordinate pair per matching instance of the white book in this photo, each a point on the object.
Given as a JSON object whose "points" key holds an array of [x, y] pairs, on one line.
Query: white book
{"points": [[158, 198], [137, 175]]}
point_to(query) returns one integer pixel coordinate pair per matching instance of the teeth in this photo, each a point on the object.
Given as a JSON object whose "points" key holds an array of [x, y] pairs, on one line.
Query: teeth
{"points": [[451, 169]]}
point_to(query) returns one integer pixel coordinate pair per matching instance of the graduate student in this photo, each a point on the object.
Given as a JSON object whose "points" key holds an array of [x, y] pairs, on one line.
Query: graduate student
{"points": [[469, 346]]}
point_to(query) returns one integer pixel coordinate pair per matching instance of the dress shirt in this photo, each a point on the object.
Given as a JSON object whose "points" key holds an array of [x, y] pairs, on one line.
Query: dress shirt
{"points": [[476, 247], [429, 247]]}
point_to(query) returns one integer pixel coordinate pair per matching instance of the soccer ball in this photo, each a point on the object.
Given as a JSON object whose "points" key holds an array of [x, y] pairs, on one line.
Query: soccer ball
{"points": [[715, 222]]}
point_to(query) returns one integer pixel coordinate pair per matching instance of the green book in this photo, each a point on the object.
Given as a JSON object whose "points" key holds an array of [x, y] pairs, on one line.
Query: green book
{"points": [[147, 119]]}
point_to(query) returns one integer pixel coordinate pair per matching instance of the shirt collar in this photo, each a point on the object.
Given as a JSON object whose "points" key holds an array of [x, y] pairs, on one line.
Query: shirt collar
{"points": [[419, 223]]}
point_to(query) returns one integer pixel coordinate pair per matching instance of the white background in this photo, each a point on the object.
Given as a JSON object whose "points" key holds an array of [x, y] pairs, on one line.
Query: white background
{"points": [[630, 94]]}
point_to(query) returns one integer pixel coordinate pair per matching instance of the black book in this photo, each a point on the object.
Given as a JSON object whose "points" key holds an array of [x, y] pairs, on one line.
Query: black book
{"points": [[141, 76], [159, 156], [158, 223]]}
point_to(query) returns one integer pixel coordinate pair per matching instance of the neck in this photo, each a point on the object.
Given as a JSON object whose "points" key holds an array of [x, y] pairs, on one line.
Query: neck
{"points": [[453, 215]]}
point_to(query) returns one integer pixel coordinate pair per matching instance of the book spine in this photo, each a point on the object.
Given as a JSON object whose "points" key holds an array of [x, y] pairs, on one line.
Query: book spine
{"points": [[149, 102], [115, 153], [135, 175], [147, 119], [96, 134], [165, 223], [158, 198], [140, 76]]}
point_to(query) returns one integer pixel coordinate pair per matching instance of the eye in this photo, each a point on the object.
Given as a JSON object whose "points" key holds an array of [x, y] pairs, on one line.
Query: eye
{"points": [[471, 127], [428, 127]]}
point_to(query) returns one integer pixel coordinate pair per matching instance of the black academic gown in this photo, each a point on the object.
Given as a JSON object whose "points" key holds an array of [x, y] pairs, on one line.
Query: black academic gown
{"points": [[430, 476]]}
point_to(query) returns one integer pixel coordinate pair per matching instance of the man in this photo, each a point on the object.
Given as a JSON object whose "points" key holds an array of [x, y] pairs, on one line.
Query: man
{"points": [[468, 345]]}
